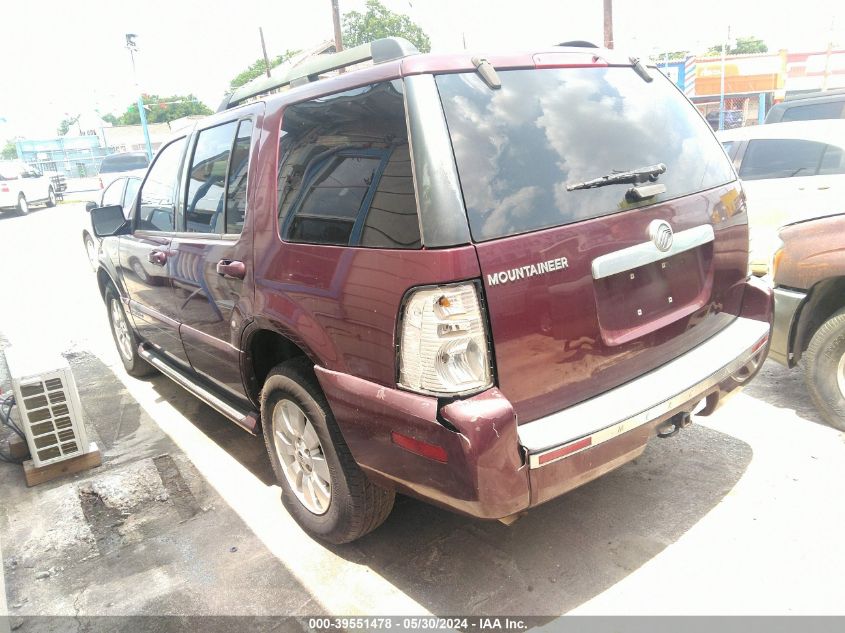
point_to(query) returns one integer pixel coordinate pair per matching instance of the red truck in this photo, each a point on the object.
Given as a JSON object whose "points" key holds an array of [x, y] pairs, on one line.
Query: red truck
{"points": [[481, 281]]}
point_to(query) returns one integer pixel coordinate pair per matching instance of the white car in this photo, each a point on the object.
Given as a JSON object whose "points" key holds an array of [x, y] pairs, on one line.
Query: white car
{"points": [[22, 186], [790, 172]]}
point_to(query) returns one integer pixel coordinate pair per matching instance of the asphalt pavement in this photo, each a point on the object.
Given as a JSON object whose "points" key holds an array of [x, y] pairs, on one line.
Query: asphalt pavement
{"points": [[742, 513]]}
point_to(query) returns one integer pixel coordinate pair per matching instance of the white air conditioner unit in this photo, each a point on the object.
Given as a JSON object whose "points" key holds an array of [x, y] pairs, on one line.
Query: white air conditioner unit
{"points": [[48, 406]]}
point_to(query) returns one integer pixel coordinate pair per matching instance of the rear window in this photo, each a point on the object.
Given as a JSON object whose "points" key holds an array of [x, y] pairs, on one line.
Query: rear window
{"points": [[781, 158], [123, 162], [814, 111], [518, 147]]}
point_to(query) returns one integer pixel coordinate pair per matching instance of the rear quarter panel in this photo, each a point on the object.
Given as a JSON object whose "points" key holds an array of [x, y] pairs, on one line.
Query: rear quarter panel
{"points": [[813, 251]]}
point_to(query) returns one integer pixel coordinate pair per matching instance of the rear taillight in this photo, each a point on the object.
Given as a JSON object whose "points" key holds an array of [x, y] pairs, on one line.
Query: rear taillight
{"points": [[443, 347], [4, 187]]}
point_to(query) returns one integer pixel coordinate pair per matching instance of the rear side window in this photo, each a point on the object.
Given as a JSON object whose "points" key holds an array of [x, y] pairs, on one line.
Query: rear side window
{"points": [[158, 195], [517, 148], [781, 158], [238, 170], [811, 112], [345, 171], [123, 162], [205, 203]]}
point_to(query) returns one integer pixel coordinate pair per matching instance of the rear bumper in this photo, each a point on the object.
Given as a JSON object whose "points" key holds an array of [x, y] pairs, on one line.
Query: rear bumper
{"points": [[787, 304], [494, 467]]}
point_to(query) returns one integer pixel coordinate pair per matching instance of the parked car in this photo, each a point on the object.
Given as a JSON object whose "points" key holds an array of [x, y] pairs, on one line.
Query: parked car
{"points": [[429, 276], [809, 107], [122, 192], [790, 172], [733, 118], [808, 273], [122, 164], [22, 186]]}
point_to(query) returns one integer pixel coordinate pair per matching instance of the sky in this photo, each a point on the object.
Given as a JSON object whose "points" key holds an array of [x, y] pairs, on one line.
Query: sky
{"points": [[63, 58]]}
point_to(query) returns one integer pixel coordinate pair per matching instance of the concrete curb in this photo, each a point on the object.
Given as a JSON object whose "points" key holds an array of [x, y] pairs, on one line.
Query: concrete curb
{"points": [[4, 609]]}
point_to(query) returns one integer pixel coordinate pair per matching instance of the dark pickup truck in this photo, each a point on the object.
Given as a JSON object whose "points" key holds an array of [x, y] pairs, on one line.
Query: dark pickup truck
{"points": [[808, 271], [482, 281]]}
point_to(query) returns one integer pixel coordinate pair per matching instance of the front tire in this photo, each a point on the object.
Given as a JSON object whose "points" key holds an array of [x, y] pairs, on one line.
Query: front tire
{"points": [[91, 251], [23, 205], [51, 198], [323, 488], [124, 337], [825, 370]]}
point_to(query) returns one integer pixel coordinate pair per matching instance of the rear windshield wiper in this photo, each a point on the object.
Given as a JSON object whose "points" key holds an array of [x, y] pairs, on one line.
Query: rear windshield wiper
{"points": [[634, 177]]}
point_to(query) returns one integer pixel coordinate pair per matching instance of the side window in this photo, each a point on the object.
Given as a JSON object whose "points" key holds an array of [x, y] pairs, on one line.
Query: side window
{"points": [[238, 169], [345, 171], [158, 195], [114, 193], [205, 201], [780, 158], [132, 186], [833, 161]]}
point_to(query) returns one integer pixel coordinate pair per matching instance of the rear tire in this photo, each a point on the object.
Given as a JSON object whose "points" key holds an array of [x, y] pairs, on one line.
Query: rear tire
{"points": [[825, 370], [23, 205], [125, 338], [291, 397]]}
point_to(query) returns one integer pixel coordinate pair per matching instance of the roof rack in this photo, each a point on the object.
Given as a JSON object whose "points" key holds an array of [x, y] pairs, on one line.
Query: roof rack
{"points": [[379, 51]]}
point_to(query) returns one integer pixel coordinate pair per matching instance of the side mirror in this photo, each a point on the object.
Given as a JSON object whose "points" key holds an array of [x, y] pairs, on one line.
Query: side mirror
{"points": [[90, 206], [108, 220]]}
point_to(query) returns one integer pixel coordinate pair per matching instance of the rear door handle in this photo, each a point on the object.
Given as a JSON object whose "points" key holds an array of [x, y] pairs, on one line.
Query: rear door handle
{"points": [[823, 187], [159, 258], [230, 268]]}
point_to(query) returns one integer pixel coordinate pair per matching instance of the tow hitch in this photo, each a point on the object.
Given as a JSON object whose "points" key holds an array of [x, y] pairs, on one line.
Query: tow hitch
{"points": [[674, 424]]}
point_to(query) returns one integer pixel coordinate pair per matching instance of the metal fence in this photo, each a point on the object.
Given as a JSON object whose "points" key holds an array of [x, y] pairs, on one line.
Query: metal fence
{"points": [[738, 110]]}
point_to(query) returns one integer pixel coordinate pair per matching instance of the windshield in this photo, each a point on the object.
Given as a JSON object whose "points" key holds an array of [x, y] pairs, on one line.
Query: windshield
{"points": [[518, 147]]}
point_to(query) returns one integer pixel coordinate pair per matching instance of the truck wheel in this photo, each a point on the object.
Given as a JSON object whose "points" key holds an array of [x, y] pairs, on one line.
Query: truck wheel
{"points": [[124, 337], [51, 198], [323, 488], [825, 370], [23, 205], [91, 250]]}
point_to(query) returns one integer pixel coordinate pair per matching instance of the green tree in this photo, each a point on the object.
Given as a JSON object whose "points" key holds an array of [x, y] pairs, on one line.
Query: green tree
{"points": [[9, 151], [110, 118], [64, 126], [258, 68], [378, 22], [744, 46], [162, 109]]}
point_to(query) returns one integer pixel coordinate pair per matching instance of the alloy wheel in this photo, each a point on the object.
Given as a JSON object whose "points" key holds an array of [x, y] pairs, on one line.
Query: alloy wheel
{"points": [[121, 330], [302, 457]]}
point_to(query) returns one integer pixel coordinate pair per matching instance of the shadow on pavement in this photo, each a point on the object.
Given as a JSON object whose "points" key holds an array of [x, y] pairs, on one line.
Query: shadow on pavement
{"points": [[784, 388], [550, 561]]}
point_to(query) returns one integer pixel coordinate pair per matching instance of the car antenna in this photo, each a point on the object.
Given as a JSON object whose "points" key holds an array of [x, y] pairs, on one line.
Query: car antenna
{"points": [[487, 72]]}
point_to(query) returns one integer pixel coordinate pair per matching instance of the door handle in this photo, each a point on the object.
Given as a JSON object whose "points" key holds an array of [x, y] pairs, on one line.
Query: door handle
{"points": [[159, 258], [824, 187], [230, 268]]}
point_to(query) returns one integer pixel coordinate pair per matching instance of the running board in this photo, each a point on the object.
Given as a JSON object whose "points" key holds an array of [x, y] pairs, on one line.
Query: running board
{"points": [[248, 420]]}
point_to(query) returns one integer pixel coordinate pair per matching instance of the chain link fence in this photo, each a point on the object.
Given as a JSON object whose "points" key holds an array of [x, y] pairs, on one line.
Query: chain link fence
{"points": [[739, 110]]}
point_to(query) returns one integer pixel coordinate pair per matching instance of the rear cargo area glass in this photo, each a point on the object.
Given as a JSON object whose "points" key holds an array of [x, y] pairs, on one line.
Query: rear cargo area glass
{"points": [[518, 147]]}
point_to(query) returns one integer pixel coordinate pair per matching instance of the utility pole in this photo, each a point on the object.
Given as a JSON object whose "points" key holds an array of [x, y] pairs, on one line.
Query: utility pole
{"points": [[264, 51], [722, 83], [608, 23], [338, 40], [132, 47]]}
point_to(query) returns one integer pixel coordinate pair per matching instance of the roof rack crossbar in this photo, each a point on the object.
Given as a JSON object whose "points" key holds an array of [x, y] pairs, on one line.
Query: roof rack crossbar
{"points": [[379, 51]]}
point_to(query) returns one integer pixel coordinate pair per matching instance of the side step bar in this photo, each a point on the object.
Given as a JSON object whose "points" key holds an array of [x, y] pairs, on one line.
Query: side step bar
{"points": [[248, 420]]}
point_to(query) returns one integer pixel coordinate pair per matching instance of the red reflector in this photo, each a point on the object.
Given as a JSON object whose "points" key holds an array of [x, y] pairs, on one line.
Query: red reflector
{"points": [[566, 450], [431, 451], [760, 343]]}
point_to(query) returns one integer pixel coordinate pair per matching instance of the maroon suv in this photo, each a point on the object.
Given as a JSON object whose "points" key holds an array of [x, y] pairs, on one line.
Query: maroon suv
{"points": [[482, 282]]}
